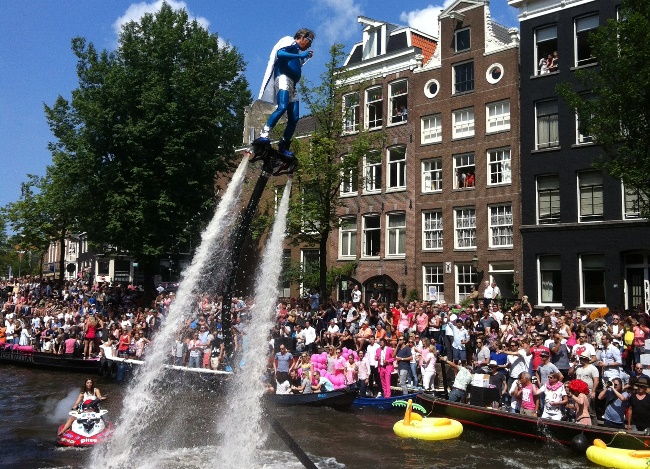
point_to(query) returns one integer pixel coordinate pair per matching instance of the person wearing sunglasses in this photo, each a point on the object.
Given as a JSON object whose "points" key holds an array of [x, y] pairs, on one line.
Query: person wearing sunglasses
{"points": [[279, 85]]}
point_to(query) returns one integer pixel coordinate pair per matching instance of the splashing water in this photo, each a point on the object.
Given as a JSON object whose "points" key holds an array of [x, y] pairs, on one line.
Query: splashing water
{"points": [[241, 420], [131, 443]]}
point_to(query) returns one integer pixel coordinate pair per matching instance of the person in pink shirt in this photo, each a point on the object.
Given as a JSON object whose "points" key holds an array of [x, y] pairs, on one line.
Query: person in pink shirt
{"points": [[351, 372], [339, 364], [385, 359], [524, 392]]}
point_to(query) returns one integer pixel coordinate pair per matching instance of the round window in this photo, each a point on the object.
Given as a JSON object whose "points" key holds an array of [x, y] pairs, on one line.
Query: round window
{"points": [[431, 88], [494, 73]]}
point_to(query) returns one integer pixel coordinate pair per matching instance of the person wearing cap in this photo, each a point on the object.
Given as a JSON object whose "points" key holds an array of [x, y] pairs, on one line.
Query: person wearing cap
{"points": [[639, 407], [498, 381], [615, 403]]}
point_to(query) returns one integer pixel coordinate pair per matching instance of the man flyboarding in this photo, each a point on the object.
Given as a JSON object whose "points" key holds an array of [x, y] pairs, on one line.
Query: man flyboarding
{"points": [[279, 85]]}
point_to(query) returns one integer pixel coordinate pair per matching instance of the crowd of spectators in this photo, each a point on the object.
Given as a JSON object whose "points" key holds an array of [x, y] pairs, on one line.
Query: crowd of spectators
{"points": [[559, 364]]}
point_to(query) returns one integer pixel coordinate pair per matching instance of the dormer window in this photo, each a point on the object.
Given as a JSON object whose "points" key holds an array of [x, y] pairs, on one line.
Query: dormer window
{"points": [[373, 44], [462, 40]]}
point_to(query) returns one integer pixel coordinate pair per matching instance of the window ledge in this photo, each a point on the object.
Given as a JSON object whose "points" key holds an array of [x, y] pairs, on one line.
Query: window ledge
{"points": [[542, 75], [370, 258], [374, 129], [455, 139], [501, 248], [433, 250], [431, 192], [395, 124], [499, 184], [371, 192], [581, 67], [474, 248], [546, 150], [430, 143], [581, 145], [395, 189], [343, 258], [494, 132], [395, 257], [462, 93], [350, 132], [463, 189], [348, 194]]}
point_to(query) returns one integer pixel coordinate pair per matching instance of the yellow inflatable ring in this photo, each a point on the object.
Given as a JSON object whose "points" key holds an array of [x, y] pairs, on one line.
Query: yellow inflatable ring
{"points": [[618, 458], [429, 429]]}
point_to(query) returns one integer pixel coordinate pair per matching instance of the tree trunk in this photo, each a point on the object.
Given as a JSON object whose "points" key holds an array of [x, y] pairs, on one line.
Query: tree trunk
{"points": [[322, 270], [149, 268], [62, 258]]}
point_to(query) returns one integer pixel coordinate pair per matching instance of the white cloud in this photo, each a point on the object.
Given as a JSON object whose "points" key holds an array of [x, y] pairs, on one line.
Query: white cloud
{"points": [[425, 20], [137, 10], [339, 20]]}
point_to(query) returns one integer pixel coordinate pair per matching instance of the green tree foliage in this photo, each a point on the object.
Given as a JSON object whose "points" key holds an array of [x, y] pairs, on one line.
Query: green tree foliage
{"points": [[39, 215], [323, 160], [613, 103], [147, 130]]}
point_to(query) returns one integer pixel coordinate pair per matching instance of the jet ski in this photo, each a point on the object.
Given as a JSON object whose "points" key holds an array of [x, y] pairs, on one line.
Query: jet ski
{"points": [[89, 427]]}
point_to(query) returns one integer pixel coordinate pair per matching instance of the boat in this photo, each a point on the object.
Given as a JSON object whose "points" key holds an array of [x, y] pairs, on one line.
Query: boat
{"points": [[339, 398], [384, 403], [88, 429], [531, 427], [28, 357]]}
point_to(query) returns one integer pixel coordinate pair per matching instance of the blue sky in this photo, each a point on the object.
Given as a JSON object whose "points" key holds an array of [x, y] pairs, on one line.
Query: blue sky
{"points": [[37, 63]]}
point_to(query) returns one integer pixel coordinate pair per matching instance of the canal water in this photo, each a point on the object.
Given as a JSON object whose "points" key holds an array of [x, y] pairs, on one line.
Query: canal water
{"points": [[33, 403]]}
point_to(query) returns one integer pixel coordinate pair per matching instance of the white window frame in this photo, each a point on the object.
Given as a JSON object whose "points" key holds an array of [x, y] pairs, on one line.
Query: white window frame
{"points": [[349, 181], [549, 35], [465, 228], [501, 232], [303, 256], [462, 30], [348, 238], [552, 121], [433, 276], [377, 103], [372, 173], [395, 235], [590, 187], [465, 277], [432, 230], [396, 168], [553, 194], [453, 81], [350, 109], [497, 117], [464, 161], [432, 175], [631, 202], [582, 27], [499, 167], [553, 264], [462, 123], [582, 139], [397, 95], [365, 232], [431, 129], [594, 262]]}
